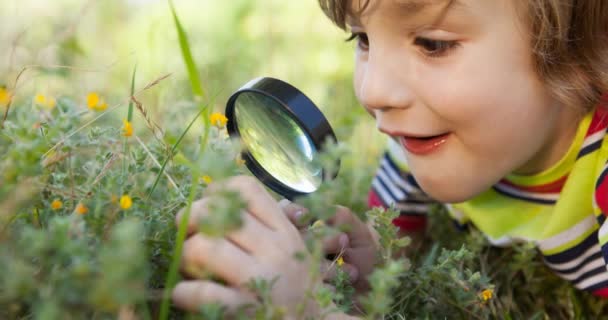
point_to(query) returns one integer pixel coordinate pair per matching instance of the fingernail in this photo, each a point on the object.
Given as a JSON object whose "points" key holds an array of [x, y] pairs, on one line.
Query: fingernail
{"points": [[343, 241], [298, 214], [284, 202], [181, 292]]}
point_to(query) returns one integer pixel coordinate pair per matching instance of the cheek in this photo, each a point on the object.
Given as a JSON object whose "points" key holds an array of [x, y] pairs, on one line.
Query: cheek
{"points": [[493, 109], [481, 91]]}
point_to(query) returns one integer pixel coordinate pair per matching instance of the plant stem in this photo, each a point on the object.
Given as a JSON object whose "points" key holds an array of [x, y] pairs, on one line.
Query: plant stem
{"points": [[177, 253], [173, 149]]}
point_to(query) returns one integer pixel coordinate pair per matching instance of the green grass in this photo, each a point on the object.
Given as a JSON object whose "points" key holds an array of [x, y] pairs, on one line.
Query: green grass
{"points": [[112, 261]]}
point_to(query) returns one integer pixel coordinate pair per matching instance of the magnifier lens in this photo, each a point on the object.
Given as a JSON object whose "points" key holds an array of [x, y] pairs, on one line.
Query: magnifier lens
{"points": [[277, 142], [282, 132]]}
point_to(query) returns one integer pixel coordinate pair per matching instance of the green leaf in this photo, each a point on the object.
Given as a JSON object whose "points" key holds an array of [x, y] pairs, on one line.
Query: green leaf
{"points": [[195, 81], [130, 113]]}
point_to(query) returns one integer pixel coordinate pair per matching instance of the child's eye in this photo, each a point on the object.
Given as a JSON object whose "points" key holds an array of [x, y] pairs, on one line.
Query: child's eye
{"points": [[362, 40], [435, 48]]}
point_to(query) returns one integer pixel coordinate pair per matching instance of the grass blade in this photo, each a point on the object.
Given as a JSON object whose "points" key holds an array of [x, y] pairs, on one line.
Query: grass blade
{"points": [[195, 81], [130, 119], [130, 113], [173, 149], [197, 90], [175, 261]]}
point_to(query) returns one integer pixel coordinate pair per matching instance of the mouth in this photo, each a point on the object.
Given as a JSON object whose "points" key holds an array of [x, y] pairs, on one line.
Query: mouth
{"points": [[424, 145]]}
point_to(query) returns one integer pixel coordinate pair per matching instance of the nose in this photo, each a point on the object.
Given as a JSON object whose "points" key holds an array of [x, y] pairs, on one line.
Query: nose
{"points": [[383, 84]]}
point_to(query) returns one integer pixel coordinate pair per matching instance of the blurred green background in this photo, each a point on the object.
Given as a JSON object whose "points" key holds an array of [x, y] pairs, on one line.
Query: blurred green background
{"points": [[80, 46], [72, 47]]}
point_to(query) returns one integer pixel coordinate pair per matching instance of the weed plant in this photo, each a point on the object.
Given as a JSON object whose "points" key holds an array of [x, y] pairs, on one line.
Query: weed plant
{"points": [[87, 221]]}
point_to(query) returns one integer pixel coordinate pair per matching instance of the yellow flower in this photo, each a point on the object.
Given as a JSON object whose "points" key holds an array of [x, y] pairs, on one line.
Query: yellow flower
{"points": [[51, 103], [217, 119], [5, 96], [206, 179], [126, 202], [94, 102], [127, 129], [81, 208], [40, 99], [56, 204], [47, 102], [486, 294], [318, 224], [340, 262]]}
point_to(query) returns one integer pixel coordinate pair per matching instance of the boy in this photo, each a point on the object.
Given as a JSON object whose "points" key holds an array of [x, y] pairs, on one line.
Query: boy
{"points": [[496, 106]]}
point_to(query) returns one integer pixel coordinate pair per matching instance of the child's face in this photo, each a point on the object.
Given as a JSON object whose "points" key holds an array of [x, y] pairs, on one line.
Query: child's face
{"points": [[466, 76]]}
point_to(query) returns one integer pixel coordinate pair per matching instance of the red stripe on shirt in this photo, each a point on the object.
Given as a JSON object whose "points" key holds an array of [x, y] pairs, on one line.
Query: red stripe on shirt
{"points": [[403, 222], [599, 121], [410, 223], [601, 196], [551, 187], [373, 200], [601, 293]]}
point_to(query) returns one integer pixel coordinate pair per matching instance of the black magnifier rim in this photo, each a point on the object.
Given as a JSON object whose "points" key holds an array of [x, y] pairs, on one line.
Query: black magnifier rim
{"points": [[300, 108]]}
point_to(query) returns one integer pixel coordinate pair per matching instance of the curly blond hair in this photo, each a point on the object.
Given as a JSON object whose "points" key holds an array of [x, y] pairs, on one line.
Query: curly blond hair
{"points": [[569, 44]]}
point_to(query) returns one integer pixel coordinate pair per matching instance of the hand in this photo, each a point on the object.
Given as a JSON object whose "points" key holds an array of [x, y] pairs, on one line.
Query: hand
{"points": [[358, 244], [265, 247]]}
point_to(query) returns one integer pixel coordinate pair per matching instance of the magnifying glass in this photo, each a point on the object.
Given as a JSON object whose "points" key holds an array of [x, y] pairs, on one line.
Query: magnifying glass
{"points": [[283, 133]]}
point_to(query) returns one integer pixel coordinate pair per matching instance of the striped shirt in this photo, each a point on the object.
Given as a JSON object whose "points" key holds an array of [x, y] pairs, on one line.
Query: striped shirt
{"points": [[563, 209]]}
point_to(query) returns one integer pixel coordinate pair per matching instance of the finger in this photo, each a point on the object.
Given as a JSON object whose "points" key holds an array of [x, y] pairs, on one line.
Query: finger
{"points": [[259, 202], [198, 211], [341, 216], [349, 223], [218, 256], [190, 295], [294, 213], [255, 237], [253, 232], [329, 270], [335, 243]]}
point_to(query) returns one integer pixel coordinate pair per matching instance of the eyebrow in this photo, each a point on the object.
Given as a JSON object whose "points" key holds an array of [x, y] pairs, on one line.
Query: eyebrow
{"points": [[413, 7], [410, 8]]}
